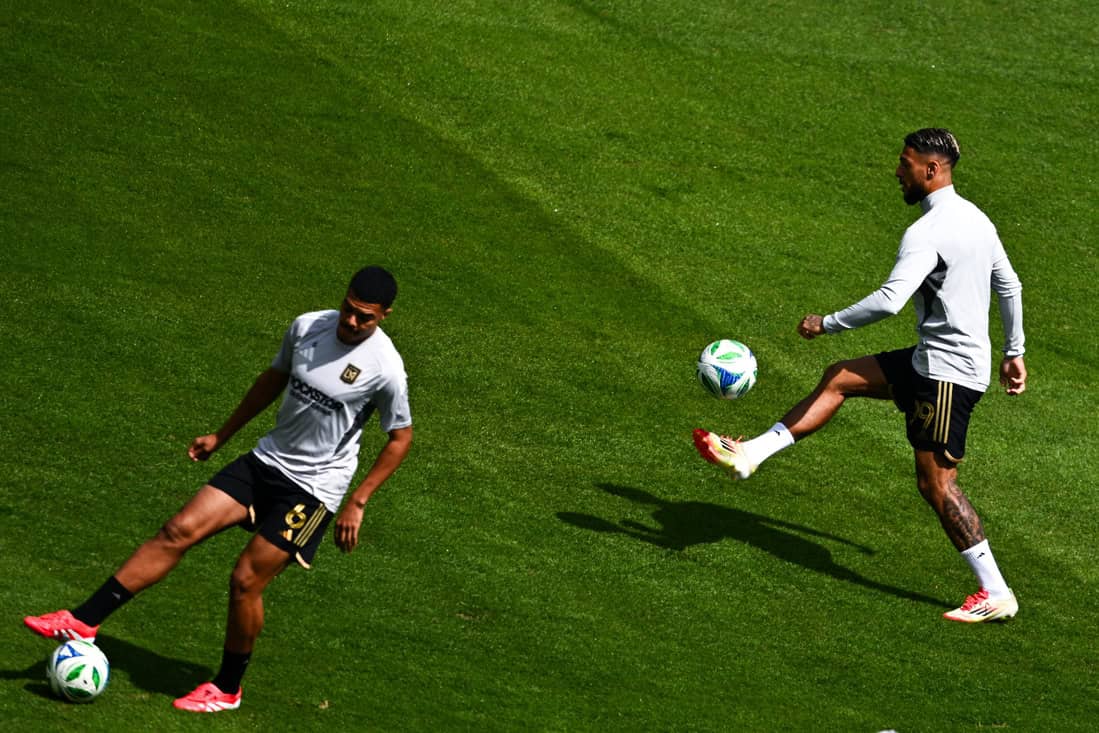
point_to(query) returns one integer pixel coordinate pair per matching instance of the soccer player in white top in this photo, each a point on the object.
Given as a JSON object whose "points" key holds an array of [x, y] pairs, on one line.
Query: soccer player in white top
{"points": [[336, 367], [949, 261]]}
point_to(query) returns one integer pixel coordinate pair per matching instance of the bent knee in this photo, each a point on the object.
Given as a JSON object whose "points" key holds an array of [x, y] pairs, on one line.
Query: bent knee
{"points": [[936, 488], [250, 578], [177, 532], [834, 372], [928, 489], [242, 582]]}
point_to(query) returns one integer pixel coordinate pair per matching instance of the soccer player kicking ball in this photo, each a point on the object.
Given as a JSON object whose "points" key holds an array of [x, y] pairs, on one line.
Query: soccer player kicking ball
{"points": [[948, 261], [336, 367]]}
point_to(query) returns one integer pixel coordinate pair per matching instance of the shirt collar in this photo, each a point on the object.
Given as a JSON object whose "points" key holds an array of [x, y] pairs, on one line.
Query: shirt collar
{"points": [[937, 197]]}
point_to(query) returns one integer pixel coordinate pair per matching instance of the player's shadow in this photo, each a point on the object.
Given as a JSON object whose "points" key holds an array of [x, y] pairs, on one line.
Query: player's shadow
{"points": [[681, 524], [145, 669]]}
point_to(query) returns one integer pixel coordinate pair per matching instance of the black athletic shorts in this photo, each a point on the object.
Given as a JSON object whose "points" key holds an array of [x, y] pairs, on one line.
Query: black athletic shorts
{"points": [[278, 509], [937, 412]]}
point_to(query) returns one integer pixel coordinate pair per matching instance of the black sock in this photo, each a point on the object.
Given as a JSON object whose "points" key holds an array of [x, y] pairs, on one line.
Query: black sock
{"points": [[105, 601], [232, 671]]}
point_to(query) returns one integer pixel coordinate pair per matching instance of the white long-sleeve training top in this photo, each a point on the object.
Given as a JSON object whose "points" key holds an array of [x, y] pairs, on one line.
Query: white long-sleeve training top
{"points": [[949, 259]]}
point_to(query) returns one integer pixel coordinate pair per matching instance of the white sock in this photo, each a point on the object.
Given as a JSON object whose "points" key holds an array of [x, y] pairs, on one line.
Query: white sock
{"points": [[763, 447], [984, 567]]}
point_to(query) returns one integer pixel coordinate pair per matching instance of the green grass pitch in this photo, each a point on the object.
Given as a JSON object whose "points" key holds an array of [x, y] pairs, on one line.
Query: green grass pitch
{"points": [[575, 197]]}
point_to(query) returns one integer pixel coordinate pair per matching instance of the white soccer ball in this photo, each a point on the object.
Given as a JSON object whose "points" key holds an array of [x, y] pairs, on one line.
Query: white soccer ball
{"points": [[727, 369], [78, 671]]}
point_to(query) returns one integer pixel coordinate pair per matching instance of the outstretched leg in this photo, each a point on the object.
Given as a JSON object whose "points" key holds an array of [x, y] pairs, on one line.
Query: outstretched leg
{"points": [[862, 377], [209, 511]]}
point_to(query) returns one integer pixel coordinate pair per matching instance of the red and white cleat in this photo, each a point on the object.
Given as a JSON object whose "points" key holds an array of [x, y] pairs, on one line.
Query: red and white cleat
{"points": [[61, 625], [979, 607], [208, 698], [725, 452]]}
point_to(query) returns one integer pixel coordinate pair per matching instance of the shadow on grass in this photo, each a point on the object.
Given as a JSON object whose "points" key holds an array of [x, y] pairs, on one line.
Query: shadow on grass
{"points": [[35, 674], [145, 669], [681, 524]]}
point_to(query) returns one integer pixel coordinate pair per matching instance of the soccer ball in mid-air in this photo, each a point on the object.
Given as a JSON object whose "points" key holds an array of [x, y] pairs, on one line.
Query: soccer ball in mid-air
{"points": [[727, 369], [78, 671]]}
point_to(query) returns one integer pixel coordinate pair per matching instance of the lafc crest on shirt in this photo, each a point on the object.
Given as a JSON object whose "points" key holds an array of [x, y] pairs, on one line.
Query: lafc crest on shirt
{"points": [[350, 374]]}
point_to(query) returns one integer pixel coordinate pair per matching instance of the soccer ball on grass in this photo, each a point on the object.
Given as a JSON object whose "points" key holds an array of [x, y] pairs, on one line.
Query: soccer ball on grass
{"points": [[78, 671], [727, 369]]}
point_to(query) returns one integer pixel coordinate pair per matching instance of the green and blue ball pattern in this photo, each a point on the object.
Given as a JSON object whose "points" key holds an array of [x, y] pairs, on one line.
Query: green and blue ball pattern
{"points": [[78, 671], [727, 369]]}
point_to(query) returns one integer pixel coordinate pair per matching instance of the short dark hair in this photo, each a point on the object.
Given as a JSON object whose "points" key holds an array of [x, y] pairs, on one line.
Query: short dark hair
{"points": [[374, 284], [935, 140]]}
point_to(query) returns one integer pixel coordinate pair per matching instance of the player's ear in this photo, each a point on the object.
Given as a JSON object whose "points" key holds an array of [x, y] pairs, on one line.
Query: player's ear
{"points": [[386, 312]]}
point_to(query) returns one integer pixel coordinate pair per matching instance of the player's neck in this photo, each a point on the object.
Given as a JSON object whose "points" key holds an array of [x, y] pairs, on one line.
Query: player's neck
{"points": [[937, 193]]}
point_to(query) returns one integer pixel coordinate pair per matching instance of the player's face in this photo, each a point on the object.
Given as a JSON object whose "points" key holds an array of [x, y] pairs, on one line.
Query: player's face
{"points": [[913, 175], [359, 320]]}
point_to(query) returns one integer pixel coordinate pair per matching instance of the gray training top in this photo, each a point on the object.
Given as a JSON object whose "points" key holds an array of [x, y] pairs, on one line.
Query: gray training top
{"points": [[332, 389], [950, 258]]}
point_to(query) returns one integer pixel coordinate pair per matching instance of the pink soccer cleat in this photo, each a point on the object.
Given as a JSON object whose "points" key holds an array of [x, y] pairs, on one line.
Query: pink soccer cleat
{"points": [[61, 625], [208, 698]]}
